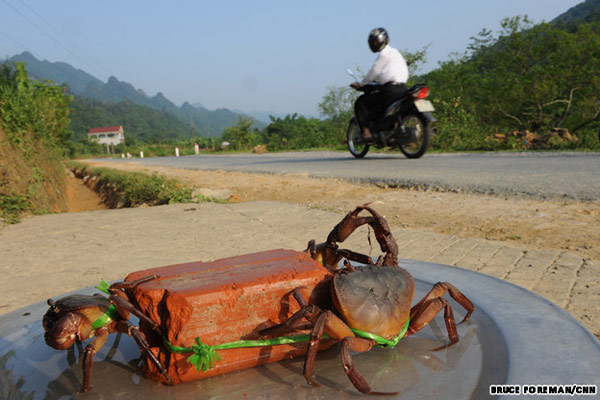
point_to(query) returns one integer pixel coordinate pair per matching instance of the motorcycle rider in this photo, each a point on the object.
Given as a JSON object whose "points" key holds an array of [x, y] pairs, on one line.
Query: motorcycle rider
{"points": [[390, 70]]}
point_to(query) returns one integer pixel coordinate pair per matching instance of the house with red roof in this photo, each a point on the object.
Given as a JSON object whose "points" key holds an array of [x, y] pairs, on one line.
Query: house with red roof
{"points": [[107, 135]]}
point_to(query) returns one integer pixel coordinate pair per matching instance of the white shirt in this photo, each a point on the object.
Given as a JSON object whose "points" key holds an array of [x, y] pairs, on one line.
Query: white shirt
{"points": [[389, 66]]}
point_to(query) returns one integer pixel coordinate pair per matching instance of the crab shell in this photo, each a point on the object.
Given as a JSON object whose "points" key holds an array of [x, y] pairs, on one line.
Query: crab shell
{"points": [[374, 299], [71, 319]]}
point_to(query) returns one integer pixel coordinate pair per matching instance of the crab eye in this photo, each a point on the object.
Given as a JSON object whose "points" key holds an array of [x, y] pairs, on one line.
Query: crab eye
{"points": [[52, 304]]}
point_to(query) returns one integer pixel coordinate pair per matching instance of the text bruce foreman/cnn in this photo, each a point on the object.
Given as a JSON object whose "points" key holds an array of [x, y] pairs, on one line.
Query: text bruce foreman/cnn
{"points": [[544, 390]]}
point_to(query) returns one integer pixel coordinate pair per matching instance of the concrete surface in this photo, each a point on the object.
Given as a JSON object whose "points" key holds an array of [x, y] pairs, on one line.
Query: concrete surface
{"points": [[49, 255]]}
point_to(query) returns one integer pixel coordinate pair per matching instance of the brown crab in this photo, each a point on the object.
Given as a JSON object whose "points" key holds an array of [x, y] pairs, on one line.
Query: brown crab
{"points": [[373, 302], [81, 317]]}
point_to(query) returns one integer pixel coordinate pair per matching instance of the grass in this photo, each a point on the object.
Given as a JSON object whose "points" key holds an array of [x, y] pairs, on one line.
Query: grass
{"points": [[131, 189], [11, 207]]}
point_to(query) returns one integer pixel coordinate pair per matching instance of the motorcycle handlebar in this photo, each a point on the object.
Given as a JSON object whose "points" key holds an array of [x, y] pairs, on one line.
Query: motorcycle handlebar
{"points": [[369, 87]]}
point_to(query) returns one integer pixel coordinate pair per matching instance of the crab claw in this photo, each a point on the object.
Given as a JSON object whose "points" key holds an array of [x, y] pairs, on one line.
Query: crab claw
{"points": [[347, 226], [383, 234], [329, 253]]}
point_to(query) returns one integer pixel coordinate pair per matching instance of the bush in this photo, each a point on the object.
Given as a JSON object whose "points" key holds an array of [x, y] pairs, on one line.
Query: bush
{"points": [[11, 206], [34, 127], [131, 189]]}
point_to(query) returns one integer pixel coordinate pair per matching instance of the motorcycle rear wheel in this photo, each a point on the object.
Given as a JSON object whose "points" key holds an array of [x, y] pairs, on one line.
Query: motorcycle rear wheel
{"points": [[422, 132], [358, 148]]}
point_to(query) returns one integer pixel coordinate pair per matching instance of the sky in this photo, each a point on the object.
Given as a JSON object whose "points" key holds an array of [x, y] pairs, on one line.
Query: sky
{"points": [[277, 56]]}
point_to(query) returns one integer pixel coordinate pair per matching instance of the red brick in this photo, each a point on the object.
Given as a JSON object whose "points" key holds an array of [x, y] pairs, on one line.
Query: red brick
{"points": [[227, 300]]}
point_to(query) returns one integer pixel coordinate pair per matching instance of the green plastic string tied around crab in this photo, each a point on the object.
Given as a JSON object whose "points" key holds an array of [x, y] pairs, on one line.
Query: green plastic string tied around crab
{"points": [[103, 286], [111, 312], [205, 356], [381, 341]]}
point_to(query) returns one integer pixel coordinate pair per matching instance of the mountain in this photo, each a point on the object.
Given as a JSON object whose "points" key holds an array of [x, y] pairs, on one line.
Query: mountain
{"points": [[58, 72], [587, 11], [80, 83], [142, 123]]}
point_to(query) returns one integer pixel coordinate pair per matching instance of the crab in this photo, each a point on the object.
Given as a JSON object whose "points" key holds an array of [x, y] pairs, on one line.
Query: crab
{"points": [[372, 303], [81, 317]]}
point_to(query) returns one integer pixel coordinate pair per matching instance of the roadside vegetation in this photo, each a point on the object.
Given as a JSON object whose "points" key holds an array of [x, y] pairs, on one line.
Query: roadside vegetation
{"points": [[526, 87], [34, 126], [120, 189], [35, 141]]}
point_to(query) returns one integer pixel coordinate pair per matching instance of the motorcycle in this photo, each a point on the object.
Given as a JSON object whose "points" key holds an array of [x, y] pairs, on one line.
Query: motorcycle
{"points": [[405, 124]]}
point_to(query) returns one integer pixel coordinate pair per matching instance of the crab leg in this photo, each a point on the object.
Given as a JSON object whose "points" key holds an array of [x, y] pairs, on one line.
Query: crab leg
{"points": [[425, 313], [439, 289], [429, 306], [359, 345], [132, 284], [134, 332], [295, 322], [124, 307], [313, 347], [327, 322], [330, 255], [88, 359], [120, 300]]}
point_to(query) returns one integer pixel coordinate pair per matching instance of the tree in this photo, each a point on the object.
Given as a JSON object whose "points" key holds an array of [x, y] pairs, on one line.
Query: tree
{"points": [[528, 77], [539, 77], [239, 136]]}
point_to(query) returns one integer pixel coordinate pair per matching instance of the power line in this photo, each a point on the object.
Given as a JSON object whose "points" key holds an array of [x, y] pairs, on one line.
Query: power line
{"points": [[47, 34], [26, 48], [29, 72], [16, 41], [66, 38]]}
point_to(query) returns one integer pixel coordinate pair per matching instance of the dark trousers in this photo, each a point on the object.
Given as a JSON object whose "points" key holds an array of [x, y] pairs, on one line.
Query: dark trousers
{"points": [[370, 106]]}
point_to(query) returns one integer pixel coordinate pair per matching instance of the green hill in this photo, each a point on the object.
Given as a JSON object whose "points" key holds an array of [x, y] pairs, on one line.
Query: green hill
{"points": [[529, 86], [588, 11], [139, 122], [83, 85]]}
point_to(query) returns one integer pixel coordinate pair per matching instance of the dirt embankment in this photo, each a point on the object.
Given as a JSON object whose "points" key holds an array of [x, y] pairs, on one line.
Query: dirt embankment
{"points": [[33, 173], [569, 225], [79, 197]]}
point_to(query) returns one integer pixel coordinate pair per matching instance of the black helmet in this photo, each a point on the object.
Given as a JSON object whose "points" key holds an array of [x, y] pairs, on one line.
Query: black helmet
{"points": [[378, 39]]}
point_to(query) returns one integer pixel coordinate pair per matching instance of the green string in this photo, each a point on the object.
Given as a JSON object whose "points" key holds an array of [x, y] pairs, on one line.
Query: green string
{"points": [[205, 356], [109, 316], [111, 312], [103, 286], [381, 341]]}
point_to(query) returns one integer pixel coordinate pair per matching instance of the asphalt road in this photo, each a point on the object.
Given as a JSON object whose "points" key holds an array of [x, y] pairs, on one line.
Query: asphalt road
{"points": [[565, 175]]}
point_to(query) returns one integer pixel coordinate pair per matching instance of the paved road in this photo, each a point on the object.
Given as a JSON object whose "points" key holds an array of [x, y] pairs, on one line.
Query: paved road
{"points": [[541, 175]]}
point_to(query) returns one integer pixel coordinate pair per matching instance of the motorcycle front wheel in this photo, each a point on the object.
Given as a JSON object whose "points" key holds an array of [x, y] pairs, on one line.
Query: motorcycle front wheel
{"points": [[356, 144], [421, 135]]}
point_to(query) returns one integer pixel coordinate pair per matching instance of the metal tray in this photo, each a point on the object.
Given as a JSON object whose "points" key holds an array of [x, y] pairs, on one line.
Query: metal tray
{"points": [[514, 337]]}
